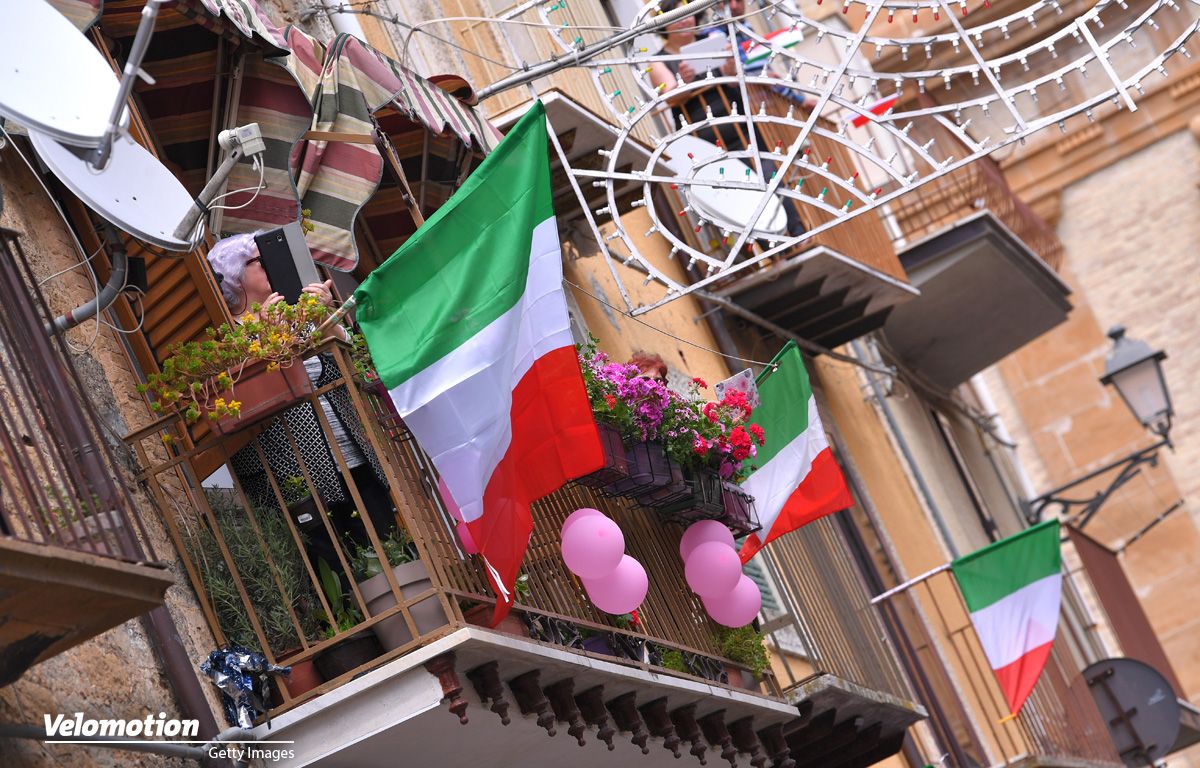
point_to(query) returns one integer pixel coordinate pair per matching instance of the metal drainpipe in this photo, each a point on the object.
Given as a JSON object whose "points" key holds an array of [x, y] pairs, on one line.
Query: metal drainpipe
{"points": [[107, 295], [881, 399]]}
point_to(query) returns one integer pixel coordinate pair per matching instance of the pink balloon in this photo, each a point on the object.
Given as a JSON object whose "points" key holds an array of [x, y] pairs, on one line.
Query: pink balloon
{"points": [[448, 500], [713, 569], [468, 542], [577, 515], [698, 533], [739, 607], [593, 546], [620, 591]]}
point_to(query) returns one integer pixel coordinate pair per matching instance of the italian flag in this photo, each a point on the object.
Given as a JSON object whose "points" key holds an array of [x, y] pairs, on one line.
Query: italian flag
{"points": [[1013, 589], [467, 325], [797, 480]]}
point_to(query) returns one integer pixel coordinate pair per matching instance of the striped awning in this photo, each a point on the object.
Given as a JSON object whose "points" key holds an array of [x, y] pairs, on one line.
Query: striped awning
{"points": [[230, 18], [346, 85]]}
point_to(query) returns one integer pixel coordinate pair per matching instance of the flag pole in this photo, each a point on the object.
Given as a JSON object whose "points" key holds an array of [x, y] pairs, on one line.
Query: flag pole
{"points": [[349, 304], [909, 583]]}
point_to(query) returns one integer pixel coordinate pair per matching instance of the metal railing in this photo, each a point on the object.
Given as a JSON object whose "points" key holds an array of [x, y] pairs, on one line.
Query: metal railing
{"points": [[978, 186], [260, 583], [832, 613], [58, 481], [1058, 721]]}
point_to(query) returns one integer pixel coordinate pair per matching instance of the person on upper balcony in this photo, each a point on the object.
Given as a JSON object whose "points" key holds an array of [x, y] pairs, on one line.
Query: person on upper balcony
{"points": [[696, 104]]}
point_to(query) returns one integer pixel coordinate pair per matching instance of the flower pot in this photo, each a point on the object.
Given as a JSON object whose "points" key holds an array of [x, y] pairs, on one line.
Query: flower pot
{"points": [[705, 499], [598, 644], [305, 514], [740, 515], [742, 678], [263, 392], [481, 616], [304, 677], [649, 470], [347, 655], [413, 579], [616, 465]]}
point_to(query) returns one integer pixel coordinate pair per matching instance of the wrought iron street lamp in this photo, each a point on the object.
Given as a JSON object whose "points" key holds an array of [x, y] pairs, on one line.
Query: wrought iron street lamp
{"points": [[1135, 371]]}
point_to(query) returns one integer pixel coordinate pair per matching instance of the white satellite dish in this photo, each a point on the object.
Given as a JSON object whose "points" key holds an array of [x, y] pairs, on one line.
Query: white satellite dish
{"points": [[52, 79], [729, 207], [134, 191]]}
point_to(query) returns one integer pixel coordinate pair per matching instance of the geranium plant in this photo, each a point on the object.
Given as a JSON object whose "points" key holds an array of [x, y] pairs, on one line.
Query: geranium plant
{"points": [[196, 375], [695, 434]]}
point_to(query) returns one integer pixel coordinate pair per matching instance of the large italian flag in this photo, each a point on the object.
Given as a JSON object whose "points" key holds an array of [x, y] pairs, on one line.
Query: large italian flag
{"points": [[467, 325], [1013, 589], [797, 480]]}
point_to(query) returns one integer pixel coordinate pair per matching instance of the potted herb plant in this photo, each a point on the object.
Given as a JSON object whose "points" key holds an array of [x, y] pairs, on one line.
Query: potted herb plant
{"points": [[300, 503], [353, 652], [273, 609], [745, 646], [254, 361], [412, 578]]}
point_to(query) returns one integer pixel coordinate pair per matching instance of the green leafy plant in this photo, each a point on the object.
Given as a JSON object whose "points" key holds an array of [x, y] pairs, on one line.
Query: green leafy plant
{"points": [[294, 490], [745, 646], [195, 375], [672, 659], [345, 614], [361, 356], [274, 609], [364, 561]]}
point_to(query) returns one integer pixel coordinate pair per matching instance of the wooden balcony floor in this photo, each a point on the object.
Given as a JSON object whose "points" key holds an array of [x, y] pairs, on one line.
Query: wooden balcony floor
{"points": [[52, 599]]}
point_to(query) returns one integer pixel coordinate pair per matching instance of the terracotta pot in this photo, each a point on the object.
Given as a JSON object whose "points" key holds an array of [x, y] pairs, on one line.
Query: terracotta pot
{"points": [[304, 677], [347, 655], [264, 393], [413, 579], [481, 616], [616, 465]]}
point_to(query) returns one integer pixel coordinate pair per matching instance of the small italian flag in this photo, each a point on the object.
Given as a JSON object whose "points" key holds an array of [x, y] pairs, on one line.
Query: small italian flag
{"points": [[797, 480], [1013, 589], [467, 325], [877, 108]]}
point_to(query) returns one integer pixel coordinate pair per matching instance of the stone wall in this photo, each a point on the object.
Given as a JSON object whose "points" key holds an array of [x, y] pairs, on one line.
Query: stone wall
{"points": [[116, 674]]}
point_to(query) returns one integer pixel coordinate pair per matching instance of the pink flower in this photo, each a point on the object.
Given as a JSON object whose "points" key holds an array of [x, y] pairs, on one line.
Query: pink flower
{"points": [[758, 433], [699, 383]]}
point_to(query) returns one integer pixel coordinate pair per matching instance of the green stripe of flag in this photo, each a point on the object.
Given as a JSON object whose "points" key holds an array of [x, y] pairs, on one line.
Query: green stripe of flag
{"points": [[1003, 567], [784, 393], [467, 265]]}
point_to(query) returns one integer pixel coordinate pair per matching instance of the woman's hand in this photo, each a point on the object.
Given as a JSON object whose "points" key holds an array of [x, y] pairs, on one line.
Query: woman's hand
{"points": [[274, 298], [686, 72], [323, 291]]}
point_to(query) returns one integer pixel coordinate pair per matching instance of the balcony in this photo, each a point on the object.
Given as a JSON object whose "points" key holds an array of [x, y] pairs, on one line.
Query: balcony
{"points": [[977, 253], [71, 566], [567, 667], [1059, 724]]}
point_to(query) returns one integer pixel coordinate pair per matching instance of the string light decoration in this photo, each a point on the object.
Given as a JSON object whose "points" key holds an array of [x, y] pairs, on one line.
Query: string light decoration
{"points": [[886, 93]]}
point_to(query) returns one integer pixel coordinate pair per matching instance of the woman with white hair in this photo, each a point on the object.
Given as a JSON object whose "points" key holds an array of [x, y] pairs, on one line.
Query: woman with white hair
{"points": [[244, 283]]}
